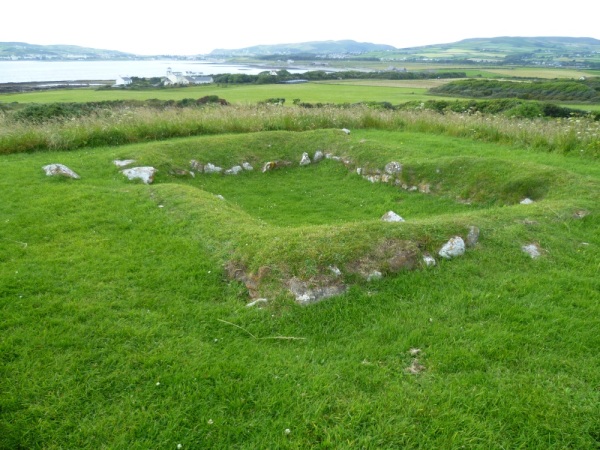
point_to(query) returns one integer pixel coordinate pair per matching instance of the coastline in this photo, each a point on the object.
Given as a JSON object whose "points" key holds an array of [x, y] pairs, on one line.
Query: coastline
{"points": [[31, 86]]}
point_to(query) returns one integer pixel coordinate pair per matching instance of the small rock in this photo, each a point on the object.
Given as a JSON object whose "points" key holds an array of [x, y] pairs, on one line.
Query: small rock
{"points": [[454, 247], [146, 173], [305, 161], [373, 178], [234, 170], [532, 250], [429, 260], [526, 201], [318, 156], [247, 166], [60, 170], [306, 295], [337, 272], [197, 166], [393, 168], [391, 216], [211, 168], [123, 162], [414, 351], [374, 275], [346, 130], [424, 188], [220, 197], [472, 236], [256, 302]]}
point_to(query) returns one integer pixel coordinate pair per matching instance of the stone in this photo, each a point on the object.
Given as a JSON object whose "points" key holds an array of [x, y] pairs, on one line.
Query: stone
{"points": [[429, 260], [374, 275], [60, 170], [234, 170], [270, 165], [391, 216], [393, 168], [532, 250], [144, 173], [305, 161], [197, 166], [453, 248], [335, 270], [526, 201], [373, 178], [247, 166], [346, 130], [472, 236], [305, 294], [318, 156], [211, 168], [257, 302], [424, 188], [123, 162]]}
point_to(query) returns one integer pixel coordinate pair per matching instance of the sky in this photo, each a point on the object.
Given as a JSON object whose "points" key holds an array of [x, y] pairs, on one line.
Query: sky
{"points": [[192, 28]]}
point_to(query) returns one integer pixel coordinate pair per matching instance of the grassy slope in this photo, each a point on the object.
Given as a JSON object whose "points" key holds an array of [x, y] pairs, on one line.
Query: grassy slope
{"points": [[120, 330]]}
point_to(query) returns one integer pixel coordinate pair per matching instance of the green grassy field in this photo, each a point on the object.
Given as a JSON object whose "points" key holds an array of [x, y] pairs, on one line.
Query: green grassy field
{"points": [[123, 327], [309, 92]]}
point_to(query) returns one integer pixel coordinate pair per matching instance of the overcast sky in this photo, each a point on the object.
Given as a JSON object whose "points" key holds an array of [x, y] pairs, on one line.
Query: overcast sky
{"points": [[189, 28]]}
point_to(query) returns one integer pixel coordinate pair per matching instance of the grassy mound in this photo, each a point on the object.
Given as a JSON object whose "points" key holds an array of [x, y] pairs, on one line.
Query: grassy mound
{"points": [[124, 323]]}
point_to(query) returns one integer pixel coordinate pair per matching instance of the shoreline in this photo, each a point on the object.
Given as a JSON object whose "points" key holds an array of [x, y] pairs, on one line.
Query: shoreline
{"points": [[31, 86]]}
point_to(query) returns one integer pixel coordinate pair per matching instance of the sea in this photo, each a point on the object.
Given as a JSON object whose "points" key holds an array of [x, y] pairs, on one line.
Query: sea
{"points": [[51, 71]]}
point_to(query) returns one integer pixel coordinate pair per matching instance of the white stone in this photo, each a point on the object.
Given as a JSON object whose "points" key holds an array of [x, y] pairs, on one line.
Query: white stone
{"points": [[318, 156], [532, 250], [256, 302], [211, 168], [391, 216], [145, 173], [454, 247], [234, 170], [337, 272], [123, 162], [305, 161], [346, 130], [375, 275], [60, 169], [429, 260], [393, 168], [247, 166], [526, 201]]}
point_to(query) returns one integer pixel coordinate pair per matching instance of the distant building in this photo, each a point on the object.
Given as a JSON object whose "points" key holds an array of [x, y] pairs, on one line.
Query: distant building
{"points": [[123, 81], [175, 78]]}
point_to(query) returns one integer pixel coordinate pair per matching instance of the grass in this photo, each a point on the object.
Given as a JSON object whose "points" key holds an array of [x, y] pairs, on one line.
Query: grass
{"points": [[239, 94], [121, 329]]}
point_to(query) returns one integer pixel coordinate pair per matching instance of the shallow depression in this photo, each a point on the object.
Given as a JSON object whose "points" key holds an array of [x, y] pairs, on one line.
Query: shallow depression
{"points": [[324, 193]]}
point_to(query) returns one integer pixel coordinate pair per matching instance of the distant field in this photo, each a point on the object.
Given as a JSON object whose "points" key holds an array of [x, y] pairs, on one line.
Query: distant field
{"points": [[414, 85], [540, 72], [309, 92]]}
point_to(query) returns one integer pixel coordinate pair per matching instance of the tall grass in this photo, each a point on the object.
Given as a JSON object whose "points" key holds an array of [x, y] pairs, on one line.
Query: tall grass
{"points": [[133, 125]]}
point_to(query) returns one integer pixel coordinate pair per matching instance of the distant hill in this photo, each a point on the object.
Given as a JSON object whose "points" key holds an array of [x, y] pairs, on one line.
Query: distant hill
{"points": [[22, 50], [315, 48]]}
